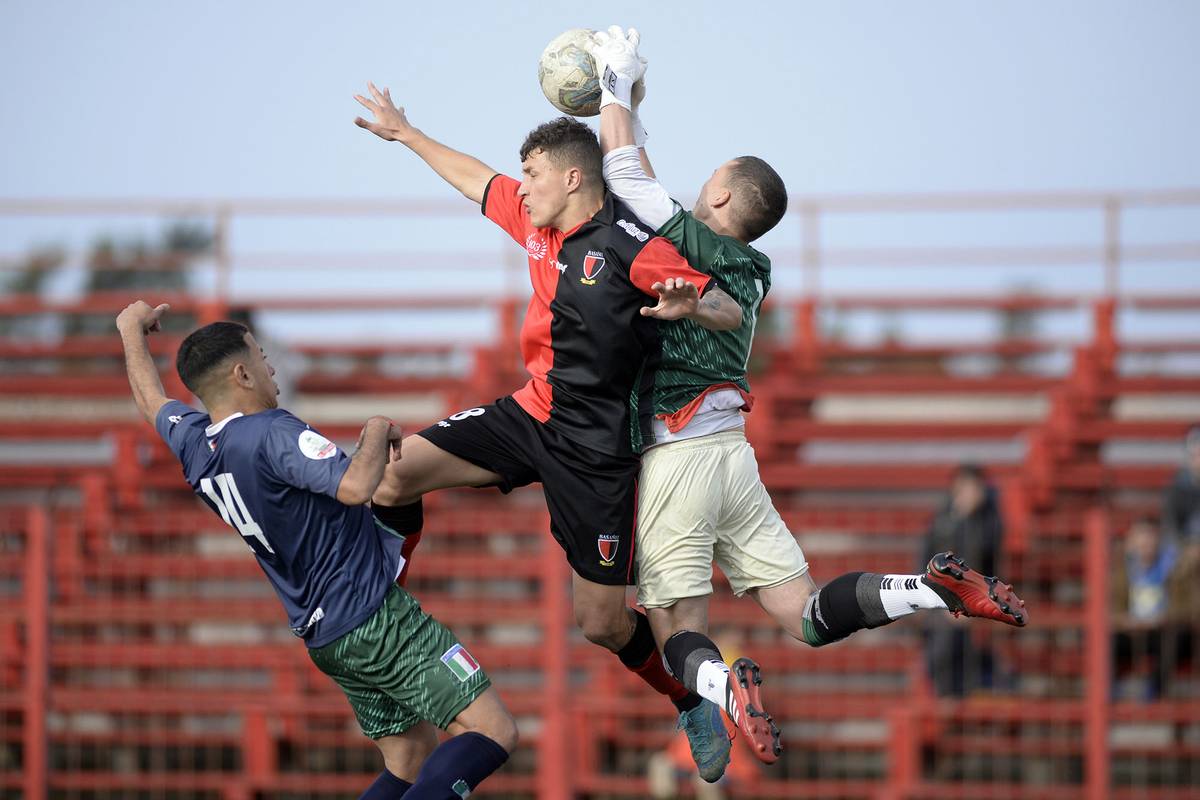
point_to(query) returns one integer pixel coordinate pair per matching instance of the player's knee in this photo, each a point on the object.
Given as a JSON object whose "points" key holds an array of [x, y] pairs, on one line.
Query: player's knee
{"points": [[503, 731], [495, 722], [403, 755], [394, 489], [604, 628], [387, 493]]}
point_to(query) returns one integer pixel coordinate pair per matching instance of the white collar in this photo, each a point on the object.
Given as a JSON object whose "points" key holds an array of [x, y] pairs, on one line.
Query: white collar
{"points": [[215, 428]]}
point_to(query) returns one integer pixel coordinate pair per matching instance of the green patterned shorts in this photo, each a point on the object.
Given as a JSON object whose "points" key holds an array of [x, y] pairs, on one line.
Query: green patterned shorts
{"points": [[402, 666]]}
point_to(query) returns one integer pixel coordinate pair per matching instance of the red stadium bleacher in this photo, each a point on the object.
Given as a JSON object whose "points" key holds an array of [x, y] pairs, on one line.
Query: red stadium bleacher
{"points": [[142, 653]]}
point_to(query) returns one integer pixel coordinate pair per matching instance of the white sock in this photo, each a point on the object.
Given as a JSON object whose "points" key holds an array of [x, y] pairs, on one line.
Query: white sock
{"points": [[712, 679], [904, 594]]}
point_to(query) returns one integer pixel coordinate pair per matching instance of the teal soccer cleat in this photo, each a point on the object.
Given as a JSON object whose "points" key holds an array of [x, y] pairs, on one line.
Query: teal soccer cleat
{"points": [[706, 734]]}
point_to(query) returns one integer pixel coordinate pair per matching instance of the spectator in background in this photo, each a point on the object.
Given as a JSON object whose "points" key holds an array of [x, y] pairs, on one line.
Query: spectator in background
{"points": [[969, 524], [1181, 502], [1183, 606], [1140, 594]]}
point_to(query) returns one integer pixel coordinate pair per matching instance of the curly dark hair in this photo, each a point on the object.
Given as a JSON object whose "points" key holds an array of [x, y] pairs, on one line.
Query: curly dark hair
{"points": [[568, 143], [760, 198], [207, 347]]}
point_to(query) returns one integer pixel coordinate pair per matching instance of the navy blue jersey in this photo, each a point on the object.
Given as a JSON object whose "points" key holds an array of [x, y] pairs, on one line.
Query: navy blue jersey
{"points": [[274, 480]]}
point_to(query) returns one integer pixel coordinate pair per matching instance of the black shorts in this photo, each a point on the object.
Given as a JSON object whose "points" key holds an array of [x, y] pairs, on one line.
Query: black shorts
{"points": [[592, 496]]}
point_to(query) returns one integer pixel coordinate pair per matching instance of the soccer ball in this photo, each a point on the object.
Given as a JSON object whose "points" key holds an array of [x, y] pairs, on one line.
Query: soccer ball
{"points": [[567, 73]]}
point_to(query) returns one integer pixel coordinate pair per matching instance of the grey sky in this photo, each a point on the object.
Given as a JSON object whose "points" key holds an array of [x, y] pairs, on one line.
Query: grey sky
{"points": [[253, 98]]}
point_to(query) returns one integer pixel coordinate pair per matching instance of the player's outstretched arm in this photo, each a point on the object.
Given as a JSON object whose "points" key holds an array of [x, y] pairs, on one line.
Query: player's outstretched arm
{"points": [[466, 173], [135, 323], [678, 298], [626, 167], [370, 458]]}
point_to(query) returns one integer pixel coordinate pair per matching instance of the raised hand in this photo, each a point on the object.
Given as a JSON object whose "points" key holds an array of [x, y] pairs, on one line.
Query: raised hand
{"points": [[619, 64], [139, 316], [394, 438], [390, 122], [677, 298]]}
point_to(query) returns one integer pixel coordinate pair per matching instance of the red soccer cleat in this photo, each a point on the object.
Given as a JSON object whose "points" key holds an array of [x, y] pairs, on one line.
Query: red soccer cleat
{"points": [[971, 594], [744, 706]]}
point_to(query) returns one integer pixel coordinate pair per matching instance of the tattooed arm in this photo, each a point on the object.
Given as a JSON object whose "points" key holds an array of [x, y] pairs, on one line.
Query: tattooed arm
{"points": [[679, 299]]}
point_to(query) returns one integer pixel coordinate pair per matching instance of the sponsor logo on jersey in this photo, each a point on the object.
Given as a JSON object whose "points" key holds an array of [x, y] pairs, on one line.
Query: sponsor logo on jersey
{"points": [[593, 263], [535, 247], [174, 419], [558, 265], [461, 788], [632, 230], [460, 662], [607, 544], [316, 446]]}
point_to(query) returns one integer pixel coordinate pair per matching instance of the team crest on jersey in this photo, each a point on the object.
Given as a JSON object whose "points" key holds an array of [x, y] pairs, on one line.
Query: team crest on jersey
{"points": [[607, 544], [593, 263], [212, 445]]}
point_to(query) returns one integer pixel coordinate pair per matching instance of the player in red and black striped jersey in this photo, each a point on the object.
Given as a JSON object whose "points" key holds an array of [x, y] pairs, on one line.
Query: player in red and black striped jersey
{"points": [[601, 280]]}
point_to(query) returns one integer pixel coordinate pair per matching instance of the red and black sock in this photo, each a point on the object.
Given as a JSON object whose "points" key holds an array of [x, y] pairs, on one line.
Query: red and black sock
{"points": [[640, 656], [407, 521]]}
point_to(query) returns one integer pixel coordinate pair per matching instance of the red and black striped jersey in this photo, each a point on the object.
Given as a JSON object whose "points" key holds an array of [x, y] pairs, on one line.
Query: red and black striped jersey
{"points": [[586, 346]]}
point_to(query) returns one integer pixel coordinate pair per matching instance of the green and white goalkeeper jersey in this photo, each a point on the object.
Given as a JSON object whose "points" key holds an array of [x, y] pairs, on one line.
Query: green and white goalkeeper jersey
{"points": [[701, 381]]}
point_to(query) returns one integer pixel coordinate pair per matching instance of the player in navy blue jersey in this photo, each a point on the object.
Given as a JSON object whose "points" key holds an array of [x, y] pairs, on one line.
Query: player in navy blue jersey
{"points": [[299, 502]]}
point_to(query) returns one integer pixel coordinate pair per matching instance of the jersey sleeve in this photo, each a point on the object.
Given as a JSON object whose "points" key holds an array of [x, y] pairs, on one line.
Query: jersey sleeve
{"points": [[694, 240], [301, 457], [657, 261], [742, 271], [627, 179], [502, 205], [180, 426]]}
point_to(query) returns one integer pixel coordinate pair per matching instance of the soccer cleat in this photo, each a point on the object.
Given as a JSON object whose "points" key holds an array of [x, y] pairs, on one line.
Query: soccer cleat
{"points": [[744, 706], [707, 738], [971, 594]]}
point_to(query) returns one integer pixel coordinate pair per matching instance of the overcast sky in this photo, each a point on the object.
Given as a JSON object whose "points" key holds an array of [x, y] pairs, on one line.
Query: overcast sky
{"points": [[220, 98]]}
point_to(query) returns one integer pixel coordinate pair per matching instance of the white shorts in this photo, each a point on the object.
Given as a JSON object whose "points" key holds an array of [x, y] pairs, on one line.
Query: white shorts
{"points": [[701, 500]]}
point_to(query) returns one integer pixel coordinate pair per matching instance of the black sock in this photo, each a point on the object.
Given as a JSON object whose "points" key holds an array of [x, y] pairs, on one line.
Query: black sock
{"points": [[846, 604], [640, 656], [456, 767], [386, 787], [404, 520], [687, 652]]}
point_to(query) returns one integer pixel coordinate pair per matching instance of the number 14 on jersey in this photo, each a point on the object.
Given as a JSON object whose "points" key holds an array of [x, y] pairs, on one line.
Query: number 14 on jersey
{"points": [[228, 500]]}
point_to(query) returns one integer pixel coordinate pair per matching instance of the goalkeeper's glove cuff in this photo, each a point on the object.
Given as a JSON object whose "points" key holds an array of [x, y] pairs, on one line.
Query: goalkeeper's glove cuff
{"points": [[615, 88]]}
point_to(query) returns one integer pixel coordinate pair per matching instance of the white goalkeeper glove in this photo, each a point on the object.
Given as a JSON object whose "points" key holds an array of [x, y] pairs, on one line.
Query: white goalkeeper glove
{"points": [[618, 64]]}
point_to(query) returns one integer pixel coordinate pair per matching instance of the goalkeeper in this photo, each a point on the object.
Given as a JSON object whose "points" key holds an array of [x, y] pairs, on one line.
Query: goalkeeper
{"points": [[700, 495]]}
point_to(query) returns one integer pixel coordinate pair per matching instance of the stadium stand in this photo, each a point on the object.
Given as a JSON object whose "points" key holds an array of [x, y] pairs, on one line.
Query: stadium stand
{"points": [[142, 655]]}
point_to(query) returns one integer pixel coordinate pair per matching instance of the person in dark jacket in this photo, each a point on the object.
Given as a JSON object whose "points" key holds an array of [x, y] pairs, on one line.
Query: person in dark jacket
{"points": [[1181, 500], [968, 523]]}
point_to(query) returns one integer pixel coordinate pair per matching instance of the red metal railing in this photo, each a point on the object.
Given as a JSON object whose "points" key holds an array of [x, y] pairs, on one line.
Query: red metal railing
{"points": [[1055, 497]]}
